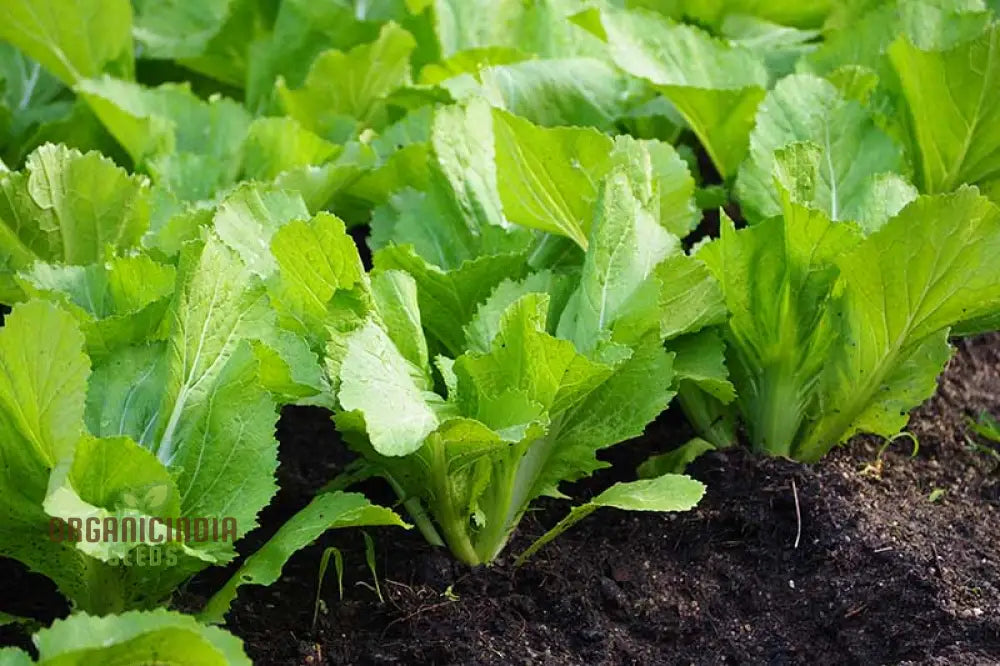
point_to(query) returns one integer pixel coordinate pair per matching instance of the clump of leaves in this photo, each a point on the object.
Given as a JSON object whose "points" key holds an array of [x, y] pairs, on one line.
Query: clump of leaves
{"points": [[137, 385], [837, 329], [549, 369]]}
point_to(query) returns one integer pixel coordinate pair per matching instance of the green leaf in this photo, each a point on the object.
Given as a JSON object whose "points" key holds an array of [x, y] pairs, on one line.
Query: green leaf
{"points": [[69, 207], [278, 145], [626, 245], [41, 417], [290, 369], [699, 358], [283, 152], [798, 176], [637, 391], [216, 424], [112, 478], [7, 618], [174, 29], [376, 381], [316, 259], [395, 295], [553, 92], [137, 638], [304, 29], [954, 97], [448, 299], [675, 461], [10, 656], [189, 145], [485, 324], [125, 391], [524, 357], [547, 183], [714, 86], [540, 28], [462, 140], [30, 99], [327, 511], [73, 39], [857, 163], [345, 90], [933, 265], [118, 303], [248, 218], [777, 278], [42, 395], [779, 46], [661, 174], [670, 492]]}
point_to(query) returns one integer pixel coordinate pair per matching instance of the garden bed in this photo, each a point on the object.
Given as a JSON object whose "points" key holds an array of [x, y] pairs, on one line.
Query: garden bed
{"points": [[882, 574]]}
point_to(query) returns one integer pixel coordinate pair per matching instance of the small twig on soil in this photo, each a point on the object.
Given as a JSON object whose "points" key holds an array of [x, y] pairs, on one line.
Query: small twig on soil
{"points": [[855, 611], [937, 562], [798, 515], [419, 611]]}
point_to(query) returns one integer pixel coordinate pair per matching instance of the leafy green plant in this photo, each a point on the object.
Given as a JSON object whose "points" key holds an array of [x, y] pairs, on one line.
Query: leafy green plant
{"points": [[548, 369], [836, 331], [130, 638], [139, 386]]}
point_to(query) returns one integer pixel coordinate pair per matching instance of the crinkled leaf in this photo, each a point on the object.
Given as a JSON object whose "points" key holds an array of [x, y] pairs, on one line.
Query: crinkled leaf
{"points": [[524, 357], [118, 303], [345, 90], [137, 638], [69, 207], [485, 324], [448, 299], [625, 247], [854, 160], [315, 258], [248, 218], [777, 278]]}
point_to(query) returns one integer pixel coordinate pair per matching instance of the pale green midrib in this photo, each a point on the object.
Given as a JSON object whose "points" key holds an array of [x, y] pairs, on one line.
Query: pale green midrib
{"points": [[450, 519], [521, 489], [165, 449], [834, 202], [606, 281]]}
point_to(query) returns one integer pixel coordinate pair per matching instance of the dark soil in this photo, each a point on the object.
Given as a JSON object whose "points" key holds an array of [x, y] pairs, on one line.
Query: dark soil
{"points": [[896, 563], [881, 574]]}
